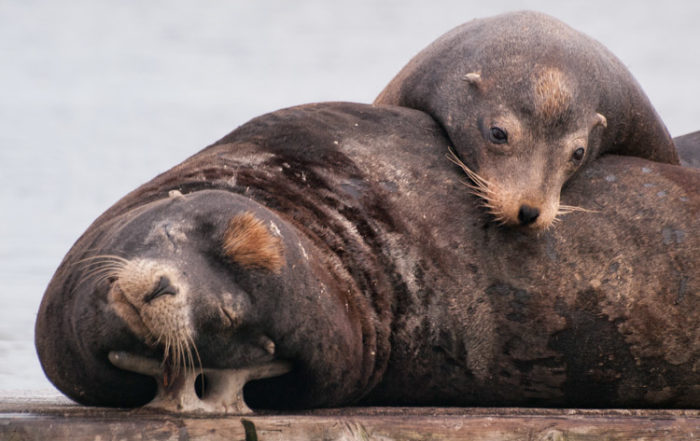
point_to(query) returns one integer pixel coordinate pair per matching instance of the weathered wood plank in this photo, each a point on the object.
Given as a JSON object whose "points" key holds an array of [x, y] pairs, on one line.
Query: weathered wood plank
{"points": [[59, 419]]}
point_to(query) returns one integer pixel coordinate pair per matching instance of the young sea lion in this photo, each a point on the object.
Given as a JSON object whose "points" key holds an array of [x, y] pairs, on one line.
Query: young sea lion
{"points": [[335, 238], [526, 101]]}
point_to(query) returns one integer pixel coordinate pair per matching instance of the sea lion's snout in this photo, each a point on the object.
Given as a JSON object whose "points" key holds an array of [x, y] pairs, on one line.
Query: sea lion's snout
{"points": [[164, 287], [151, 297], [514, 201], [531, 213], [527, 214]]}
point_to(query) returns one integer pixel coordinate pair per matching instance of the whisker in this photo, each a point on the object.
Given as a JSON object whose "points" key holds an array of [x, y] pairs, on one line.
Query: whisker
{"points": [[104, 277], [452, 157], [99, 272], [477, 192], [94, 265], [196, 353], [571, 208], [177, 356], [98, 275], [187, 359], [192, 347], [109, 267], [184, 353], [100, 267], [166, 349], [102, 258], [479, 187]]}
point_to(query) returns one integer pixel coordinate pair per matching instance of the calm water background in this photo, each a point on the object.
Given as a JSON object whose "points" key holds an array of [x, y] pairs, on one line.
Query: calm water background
{"points": [[97, 97]]}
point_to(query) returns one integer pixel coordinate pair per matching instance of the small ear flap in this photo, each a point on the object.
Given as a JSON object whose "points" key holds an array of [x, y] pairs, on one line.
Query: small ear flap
{"points": [[473, 78], [250, 244], [175, 194], [601, 120]]}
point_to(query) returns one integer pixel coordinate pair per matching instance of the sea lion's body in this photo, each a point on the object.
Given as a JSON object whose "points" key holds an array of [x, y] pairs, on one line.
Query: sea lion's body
{"points": [[688, 146], [393, 287], [526, 101]]}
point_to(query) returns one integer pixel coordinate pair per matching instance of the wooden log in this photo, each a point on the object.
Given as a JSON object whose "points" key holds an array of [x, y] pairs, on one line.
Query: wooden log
{"points": [[58, 419]]}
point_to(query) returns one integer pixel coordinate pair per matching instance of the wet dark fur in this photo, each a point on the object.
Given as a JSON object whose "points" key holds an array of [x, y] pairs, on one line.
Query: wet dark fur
{"points": [[424, 300]]}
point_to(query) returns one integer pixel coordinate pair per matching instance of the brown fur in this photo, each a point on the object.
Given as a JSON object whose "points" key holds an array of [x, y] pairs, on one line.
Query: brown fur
{"points": [[250, 244], [553, 99]]}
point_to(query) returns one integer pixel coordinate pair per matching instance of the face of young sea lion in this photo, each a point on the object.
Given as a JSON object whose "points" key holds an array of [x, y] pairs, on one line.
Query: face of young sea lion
{"points": [[522, 154], [527, 101]]}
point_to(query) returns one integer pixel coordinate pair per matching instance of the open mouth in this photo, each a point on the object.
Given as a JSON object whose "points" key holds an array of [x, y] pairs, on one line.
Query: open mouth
{"points": [[199, 391]]}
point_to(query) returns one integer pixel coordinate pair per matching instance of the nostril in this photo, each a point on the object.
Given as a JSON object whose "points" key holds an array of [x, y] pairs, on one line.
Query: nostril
{"points": [[163, 287], [200, 386], [527, 214]]}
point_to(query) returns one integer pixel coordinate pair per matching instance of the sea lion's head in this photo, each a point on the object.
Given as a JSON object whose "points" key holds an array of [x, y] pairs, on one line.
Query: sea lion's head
{"points": [[207, 280], [526, 101], [521, 140]]}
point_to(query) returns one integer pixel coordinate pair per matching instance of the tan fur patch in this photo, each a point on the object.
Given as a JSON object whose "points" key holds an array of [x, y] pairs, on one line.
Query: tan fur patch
{"points": [[553, 98], [250, 244]]}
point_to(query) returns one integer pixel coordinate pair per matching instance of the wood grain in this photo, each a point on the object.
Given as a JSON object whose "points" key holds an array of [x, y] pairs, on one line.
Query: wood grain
{"points": [[57, 419]]}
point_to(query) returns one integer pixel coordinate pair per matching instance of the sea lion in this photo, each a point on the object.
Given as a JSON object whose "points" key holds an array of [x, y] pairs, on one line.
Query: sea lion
{"points": [[688, 147], [526, 101], [336, 237]]}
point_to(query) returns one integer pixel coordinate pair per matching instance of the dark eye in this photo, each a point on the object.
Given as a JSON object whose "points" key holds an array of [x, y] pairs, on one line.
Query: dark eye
{"points": [[497, 135], [578, 154]]}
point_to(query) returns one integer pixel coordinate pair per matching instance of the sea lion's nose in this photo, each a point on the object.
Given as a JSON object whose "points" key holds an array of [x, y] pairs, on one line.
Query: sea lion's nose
{"points": [[527, 214], [163, 287]]}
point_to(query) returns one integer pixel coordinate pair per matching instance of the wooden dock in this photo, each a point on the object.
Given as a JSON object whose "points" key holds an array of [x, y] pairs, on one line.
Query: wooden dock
{"points": [[56, 418]]}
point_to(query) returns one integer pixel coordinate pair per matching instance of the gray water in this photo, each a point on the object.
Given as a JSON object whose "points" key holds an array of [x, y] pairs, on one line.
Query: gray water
{"points": [[97, 97]]}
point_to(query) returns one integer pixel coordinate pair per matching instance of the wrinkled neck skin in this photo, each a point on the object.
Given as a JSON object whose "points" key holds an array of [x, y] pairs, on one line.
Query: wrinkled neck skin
{"points": [[166, 289]]}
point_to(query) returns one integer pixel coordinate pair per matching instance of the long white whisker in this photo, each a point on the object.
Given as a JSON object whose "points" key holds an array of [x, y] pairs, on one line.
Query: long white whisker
{"points": [[177, 356], [166, 349], [102, 258], [479, 187], [479, 180], [196, 353], [571, 208], [100, 267]]}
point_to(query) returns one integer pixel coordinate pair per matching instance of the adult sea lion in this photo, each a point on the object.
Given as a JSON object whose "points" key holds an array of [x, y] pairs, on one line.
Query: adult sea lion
{"points": [[336, 238], [526, 101]]}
